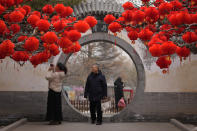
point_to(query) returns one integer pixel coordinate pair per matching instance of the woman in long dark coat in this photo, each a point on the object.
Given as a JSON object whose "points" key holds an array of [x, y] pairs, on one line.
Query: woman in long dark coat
{"points": [[54, 104], [118, 90]]}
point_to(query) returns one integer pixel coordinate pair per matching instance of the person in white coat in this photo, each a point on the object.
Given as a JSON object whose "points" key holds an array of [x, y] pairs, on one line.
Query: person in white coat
{"points": [[54, 105]]}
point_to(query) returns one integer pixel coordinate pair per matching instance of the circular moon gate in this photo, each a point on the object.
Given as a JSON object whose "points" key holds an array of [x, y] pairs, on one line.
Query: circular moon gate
{"points": [[95, 37]]}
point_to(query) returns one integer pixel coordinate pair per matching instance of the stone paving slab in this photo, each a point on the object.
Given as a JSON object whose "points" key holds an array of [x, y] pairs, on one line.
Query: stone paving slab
{"points": [[66, 126]]}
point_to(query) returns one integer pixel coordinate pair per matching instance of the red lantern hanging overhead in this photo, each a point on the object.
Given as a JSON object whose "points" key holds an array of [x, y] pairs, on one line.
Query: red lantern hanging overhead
{"points": [[138, 16], [48, 9], [127, 15], [109, 19], [2, 26], [145, 34], [54, 50], [22, 38], [163, 62], [81, 26], [32, 20], [189, 37], [75, 47], [128, 5], [27, 9], [155, 50], [16, 16], [36, 13], [20, 56], [152, 14], [91, 20], [165, 8], [66, 12], [7, 48], [64, 42], [59, 8], [115, 27], [59, 25], [31, 44], [2, 9], [50, 37], [15, 28], [168, 48], [133, 35], [43, 25], [74, 35], [182, 52]]}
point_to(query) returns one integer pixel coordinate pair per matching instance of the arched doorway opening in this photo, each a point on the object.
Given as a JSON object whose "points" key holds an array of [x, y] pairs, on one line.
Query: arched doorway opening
{"points": [[95, 37]]}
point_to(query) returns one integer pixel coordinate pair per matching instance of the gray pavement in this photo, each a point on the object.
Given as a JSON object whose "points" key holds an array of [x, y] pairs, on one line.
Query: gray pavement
{"points": [[76, 126]]}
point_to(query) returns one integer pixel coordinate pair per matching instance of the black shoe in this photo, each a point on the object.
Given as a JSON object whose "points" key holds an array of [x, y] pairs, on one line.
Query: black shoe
{"points": [[99, 123], [93, 122]]}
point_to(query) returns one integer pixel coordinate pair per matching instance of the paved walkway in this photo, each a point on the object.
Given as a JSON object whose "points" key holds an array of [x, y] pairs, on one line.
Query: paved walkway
{"points": [[66, 126]]}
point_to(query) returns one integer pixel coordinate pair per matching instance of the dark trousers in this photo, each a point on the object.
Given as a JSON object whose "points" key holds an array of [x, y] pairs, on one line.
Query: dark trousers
{"points": [[95, 106], [54, 106]]}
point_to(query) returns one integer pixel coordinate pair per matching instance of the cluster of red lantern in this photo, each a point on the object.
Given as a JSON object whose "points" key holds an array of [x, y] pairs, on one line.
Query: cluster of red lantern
{"points": [[156, 25], [48, 32]]}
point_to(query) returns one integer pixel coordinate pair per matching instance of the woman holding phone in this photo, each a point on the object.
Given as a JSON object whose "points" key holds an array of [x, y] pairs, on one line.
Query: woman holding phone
{"points": [[54, 105]]}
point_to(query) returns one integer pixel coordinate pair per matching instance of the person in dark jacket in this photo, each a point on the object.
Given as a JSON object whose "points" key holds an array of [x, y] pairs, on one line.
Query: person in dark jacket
{"points": [[95, 91], [118, 90]]}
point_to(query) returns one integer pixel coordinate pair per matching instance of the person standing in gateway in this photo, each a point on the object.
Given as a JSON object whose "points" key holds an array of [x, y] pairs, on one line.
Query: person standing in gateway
{"points": [[95, 91]]}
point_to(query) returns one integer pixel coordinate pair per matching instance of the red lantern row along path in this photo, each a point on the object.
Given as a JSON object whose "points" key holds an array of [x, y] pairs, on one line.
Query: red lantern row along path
{"points": [[35, 36], [166, 28]]}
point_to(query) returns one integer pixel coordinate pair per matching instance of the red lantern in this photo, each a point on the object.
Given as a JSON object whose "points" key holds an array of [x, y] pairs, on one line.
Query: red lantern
{"points": [[138, 16], [128, 5], [32, 20], [152, 14], [66, 12], [182, 52], [2, 9], [16, 16], [22, 38], [91, 21], [36, 13], [7, 48], [81, 26], [133, 35], [155, 50], [2, 26], [27, 9], [59, 25], [189, 37], [75, 47], [145, 34], [168, 48], [74, 35], [176, 5], [15, 28], [7, 3], [43, 25], [50, 37], [115, 27], [64, 42], [109, 19], [163, 62], [31, 44], [20, 56], [59, 8], [127, 15], [48, 9], [54, 50], [165, 8], [23, 11]]}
